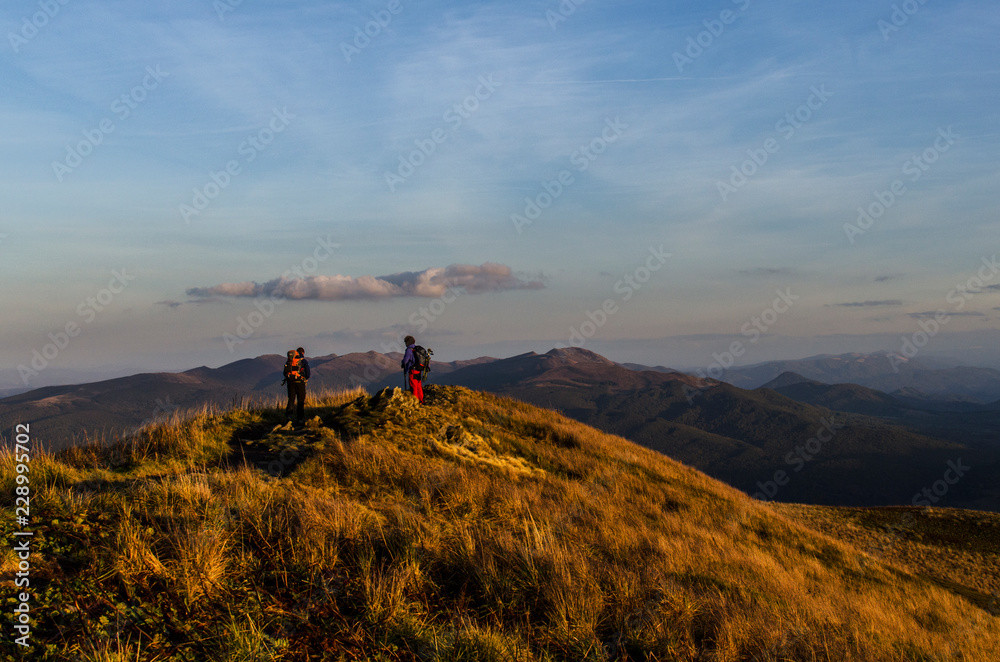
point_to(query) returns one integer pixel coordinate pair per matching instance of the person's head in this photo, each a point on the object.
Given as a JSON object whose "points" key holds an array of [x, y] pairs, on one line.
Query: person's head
{"points": [[301, 352], [409, 340]]}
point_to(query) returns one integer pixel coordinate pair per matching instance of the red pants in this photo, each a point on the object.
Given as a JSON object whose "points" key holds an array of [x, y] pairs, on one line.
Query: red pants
{"points": [[416, 386]]}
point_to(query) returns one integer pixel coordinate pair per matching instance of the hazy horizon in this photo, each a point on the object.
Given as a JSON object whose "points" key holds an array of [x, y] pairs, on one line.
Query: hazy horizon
{"points": [[710, 362], [209, 181]]}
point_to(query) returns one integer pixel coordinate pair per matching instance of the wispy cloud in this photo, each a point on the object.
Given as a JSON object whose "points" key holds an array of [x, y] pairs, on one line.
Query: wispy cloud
{"points": [[172, 303], [870, 304], [394, 332], [432, 282], [930, 314], [765, 271]]}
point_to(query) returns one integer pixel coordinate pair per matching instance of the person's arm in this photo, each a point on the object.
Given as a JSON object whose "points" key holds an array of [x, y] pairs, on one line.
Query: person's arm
{"points": [[305, 369], [408, 359]]}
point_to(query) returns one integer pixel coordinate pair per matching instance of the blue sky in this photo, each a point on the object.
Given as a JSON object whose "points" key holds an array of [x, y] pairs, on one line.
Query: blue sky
{"points": [[495, 177]]}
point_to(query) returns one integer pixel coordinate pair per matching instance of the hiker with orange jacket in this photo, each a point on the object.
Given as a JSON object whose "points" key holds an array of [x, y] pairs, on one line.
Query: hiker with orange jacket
{"points": [[296, 374]]}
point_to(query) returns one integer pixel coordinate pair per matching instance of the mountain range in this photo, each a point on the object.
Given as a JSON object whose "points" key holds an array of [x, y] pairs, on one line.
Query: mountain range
{"points": [[793, 438], [767, 443], [924, 378]]}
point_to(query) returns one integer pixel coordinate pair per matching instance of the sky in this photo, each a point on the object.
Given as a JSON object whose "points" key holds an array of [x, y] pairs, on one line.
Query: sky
{"points": [[670, 183]]}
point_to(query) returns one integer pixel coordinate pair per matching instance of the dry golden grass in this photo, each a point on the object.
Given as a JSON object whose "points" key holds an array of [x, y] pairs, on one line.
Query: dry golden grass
{"points": [[955, 549], [475, 528], [135, 559]]}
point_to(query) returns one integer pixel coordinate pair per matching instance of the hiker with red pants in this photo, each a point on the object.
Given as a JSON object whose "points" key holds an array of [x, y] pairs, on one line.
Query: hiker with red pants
{"points": [[415, 365], [296, 374]]}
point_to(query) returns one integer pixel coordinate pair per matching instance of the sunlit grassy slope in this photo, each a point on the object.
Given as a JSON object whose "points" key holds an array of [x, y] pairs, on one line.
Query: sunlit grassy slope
{"points": [[474, 528]]}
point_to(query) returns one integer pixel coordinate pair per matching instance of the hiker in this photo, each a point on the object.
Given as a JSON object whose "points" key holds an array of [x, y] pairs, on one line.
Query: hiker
{"points": [[296, 374], [415, 365]]}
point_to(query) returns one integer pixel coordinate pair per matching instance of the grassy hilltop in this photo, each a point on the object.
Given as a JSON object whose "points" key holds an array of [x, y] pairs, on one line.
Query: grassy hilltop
{"points": [[475, 528]]}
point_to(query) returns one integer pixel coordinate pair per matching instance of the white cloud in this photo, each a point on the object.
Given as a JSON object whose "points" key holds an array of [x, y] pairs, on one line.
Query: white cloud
{"points": [[432, 282]]}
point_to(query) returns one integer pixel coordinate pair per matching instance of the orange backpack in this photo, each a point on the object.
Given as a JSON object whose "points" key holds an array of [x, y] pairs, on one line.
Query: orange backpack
{"points": [[293, 367]]}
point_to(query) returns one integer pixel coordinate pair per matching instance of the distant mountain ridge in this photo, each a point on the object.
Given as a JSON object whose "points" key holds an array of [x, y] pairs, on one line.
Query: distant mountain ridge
{"points": [[883, 371], [884, 448], [560, 367], [839, 397], [957, 420], [746, 438]]}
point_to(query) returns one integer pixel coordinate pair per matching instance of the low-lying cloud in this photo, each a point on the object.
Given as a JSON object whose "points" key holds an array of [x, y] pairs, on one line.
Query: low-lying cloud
{"points": [[765, 272], [931, 314], [433, 282], [869, 304]]}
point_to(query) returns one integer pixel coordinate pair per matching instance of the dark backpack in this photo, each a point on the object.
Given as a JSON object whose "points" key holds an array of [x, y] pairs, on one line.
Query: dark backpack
{"points": [[422, 360]]}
